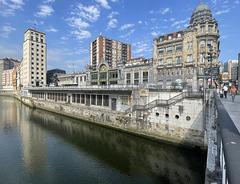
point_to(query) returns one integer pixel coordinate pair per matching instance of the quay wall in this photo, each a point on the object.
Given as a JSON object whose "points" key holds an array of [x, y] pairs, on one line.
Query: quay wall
{"points": [[153, 124]]}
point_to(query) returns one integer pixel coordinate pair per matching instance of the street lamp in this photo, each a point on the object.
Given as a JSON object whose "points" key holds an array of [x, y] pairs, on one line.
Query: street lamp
{"points": [[210, 60]]}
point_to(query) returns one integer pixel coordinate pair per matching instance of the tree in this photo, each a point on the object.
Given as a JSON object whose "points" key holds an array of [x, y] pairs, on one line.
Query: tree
{"points": [[184, 84], [174, 85]]}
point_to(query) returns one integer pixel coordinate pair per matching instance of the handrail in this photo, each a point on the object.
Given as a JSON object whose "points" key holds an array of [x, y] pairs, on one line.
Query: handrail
{"points": [[230, 142], [170, 101]]}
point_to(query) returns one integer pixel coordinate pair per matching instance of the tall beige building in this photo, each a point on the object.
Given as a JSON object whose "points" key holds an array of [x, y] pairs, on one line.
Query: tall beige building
{"points": [[34, 58], [108, 50], [181, 56]]}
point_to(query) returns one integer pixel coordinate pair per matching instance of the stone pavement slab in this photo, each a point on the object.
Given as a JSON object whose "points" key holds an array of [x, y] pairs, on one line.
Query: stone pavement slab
{"points": [[233, 109]]}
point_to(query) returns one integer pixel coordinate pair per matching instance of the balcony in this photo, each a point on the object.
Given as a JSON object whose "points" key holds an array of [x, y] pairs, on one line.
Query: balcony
{"points": [[189, 63], [160, 66]]}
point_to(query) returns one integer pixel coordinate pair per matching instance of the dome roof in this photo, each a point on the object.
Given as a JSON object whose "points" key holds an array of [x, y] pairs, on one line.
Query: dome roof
{"points": [[201, 13], [201, 7]]}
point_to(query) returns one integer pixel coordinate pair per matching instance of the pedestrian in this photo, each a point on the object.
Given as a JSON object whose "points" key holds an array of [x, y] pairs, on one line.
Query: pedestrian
{"points": [[221, 93], [233, 92], [225, 90], [218, 90]]}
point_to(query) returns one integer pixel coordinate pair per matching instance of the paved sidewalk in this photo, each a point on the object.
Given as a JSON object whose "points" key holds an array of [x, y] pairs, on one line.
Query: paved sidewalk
{"points": [[233, 109]]}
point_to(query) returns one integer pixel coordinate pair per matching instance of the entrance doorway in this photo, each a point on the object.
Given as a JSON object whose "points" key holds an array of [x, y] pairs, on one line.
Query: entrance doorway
{"points": [[114, 104]]}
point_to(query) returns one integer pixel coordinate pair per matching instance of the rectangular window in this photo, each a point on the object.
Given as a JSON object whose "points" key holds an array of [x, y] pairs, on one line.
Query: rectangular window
{"points": [[202, 43], [179, 35], [87, 100], [99, 100], [36, 39], [189, 58], [169, 37], [169, 62], [94, 76], [179, 61], [73, 98], [103, 75], [128, 77], [78, 98], [169, 49], [82, 98], [124, 100], [203, 29], [160, 62], [160, 50], [93, 99], [179, 47], [210, 29], [106, 100], [202, 55], [145, 77], [136, 75], [209, 43]]}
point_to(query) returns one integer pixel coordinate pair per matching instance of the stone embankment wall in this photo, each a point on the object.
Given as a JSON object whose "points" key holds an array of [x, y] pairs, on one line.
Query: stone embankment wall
{"points": [[149, 124]]}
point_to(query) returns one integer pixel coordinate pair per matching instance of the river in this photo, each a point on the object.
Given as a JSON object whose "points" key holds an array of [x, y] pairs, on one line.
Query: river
{"points": [[37, 146]]}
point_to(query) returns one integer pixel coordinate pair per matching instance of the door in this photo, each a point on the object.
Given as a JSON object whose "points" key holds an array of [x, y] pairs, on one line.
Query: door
{"points": [[114, 104]]}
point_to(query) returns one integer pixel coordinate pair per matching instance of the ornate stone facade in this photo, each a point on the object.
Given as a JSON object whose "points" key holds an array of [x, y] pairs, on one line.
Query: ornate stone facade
{"points": [[182, 56]]}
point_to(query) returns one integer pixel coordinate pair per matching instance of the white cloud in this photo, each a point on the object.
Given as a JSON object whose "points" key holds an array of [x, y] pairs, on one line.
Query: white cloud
{"points": [[237, 2], [48, 1], [9, 50], [81, 34], [103, 3], [6, 30], [112, 14], [64, 38], [52, 29], [154, 33], [77, 23], [180, 22], [112, 23], [8, 7], [141, 47], [139, 22], [214, 2], [90, 13], [128, 34], [114, 1], [162, 11], [45, 11], [79, 64], [126, 26], [35, 22], [223, 11]]}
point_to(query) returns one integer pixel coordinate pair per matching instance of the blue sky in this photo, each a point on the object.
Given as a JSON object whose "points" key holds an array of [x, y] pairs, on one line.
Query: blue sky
{"points": [[71, 25]]}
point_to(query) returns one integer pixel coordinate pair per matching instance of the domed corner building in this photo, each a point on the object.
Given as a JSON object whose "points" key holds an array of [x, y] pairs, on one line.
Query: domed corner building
{"points": [[182, 56]]}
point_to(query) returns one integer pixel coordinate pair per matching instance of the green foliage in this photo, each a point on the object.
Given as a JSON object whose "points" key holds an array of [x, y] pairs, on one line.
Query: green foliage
{"points": [[184, 84], [174, 85]]}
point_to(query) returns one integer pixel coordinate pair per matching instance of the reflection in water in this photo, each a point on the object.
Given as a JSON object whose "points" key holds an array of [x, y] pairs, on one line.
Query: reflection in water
{"points": [[57, 149]]}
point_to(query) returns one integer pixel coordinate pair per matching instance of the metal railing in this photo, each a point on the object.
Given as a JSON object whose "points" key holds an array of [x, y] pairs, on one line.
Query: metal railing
{"points": [[161, 102], [229, 151]]}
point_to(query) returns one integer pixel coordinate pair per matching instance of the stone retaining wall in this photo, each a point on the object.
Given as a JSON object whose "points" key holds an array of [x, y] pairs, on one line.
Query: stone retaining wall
{"points": [[130, 123]]}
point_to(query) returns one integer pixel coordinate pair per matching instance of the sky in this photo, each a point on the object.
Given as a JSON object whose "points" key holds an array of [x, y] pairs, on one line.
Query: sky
{"points": [[71, 25]]}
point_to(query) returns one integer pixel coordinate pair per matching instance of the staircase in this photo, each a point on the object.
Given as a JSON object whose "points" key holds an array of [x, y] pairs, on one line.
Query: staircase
{"points": [[160, 102]]}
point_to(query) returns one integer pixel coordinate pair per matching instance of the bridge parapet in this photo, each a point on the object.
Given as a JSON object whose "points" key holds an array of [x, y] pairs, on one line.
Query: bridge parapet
{"points": [[223, 158]]}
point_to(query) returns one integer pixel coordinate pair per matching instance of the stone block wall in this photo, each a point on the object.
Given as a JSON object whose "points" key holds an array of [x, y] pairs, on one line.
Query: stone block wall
{"points": [[146, 124]]}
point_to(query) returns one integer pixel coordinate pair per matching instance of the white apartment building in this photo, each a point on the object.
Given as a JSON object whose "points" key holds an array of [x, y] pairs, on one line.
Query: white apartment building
{"points": [[34, 58]]}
